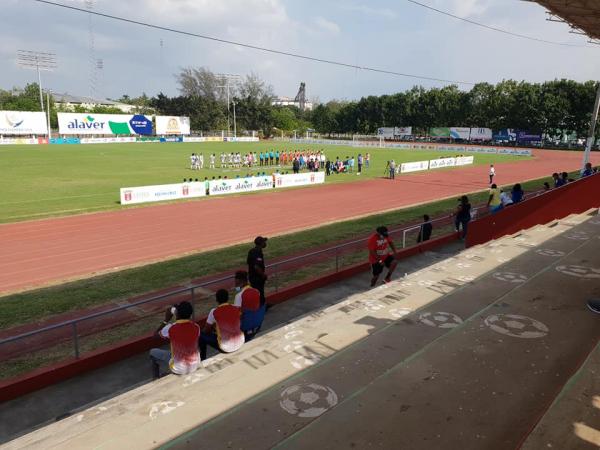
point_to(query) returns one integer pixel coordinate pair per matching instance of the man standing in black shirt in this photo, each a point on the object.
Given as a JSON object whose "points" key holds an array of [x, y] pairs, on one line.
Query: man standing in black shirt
{"points": [[425, 230], [256, 267]]}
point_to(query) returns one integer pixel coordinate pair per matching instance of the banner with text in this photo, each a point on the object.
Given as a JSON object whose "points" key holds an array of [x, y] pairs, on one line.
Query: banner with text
{"points": [[172, 125], [239, 185], [23, 141], [75, 123], [439, 132], [442, 162], [414, 166], [460, 133], [107, 140], [464, 160], [22, 122], [481, 134], [144, 194], [386, 132], [299, 179]]}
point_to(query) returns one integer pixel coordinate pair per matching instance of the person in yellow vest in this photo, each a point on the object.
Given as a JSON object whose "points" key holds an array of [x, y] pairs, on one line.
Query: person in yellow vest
{"points": [[494, 201]]}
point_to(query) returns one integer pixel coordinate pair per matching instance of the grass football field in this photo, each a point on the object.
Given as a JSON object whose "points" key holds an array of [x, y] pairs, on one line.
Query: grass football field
{"points": [[42, 181]]}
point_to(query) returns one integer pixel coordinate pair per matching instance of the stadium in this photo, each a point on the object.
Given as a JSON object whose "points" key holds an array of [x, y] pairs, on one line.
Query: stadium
{"points": [[217, 265]]}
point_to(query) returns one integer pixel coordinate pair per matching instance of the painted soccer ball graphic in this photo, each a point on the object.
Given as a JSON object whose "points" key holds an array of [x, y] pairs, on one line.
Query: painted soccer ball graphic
{"points": [[517, 326], [308, 400], [440, 319]]}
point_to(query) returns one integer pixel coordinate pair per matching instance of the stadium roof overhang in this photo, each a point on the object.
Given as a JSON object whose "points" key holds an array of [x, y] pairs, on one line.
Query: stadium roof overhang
{"points": [[582, 15]]}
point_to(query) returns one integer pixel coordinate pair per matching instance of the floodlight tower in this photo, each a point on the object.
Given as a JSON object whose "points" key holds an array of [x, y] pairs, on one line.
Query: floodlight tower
{"points": [[37, 60], [93, 62], [229, 81]]}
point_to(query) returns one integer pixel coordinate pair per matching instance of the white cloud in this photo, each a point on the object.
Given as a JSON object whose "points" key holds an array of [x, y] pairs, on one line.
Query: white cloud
{"points": [[370, 11], [463, 8], [327, 25]]}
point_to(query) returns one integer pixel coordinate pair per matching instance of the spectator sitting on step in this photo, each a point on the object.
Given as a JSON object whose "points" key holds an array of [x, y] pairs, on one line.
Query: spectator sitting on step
{"points": [[517, 194], [547, 186], [558, 181], [587, 171], [425, 230], [183, 334], [494, 201], [246, 298], [565, 177], [222, 328], [505, 199]]}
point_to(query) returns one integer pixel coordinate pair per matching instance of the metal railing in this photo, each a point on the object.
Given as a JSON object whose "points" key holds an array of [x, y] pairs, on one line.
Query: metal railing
{"points": [[337, 254]]}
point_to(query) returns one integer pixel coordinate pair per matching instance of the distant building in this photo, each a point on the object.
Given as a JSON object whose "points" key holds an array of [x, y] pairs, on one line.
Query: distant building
{"points": [[69, 102], [288, 101]]}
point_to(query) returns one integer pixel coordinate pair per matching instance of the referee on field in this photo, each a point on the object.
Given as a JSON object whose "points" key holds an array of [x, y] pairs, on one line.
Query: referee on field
{"points": [[256, 267]]}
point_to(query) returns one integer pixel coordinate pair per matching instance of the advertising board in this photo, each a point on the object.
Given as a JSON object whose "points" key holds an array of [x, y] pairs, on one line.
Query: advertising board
{"points": [[23, 122], [172, 125], [414, 166], [240, 185], [112, 124], [144, 194], [299, 179]]}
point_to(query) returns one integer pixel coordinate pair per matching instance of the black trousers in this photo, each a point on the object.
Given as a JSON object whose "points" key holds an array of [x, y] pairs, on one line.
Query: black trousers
{"points": [[259, 283]]}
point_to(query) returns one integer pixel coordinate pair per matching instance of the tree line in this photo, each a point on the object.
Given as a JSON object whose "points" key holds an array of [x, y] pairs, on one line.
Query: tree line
{"points": [[556, 108]]}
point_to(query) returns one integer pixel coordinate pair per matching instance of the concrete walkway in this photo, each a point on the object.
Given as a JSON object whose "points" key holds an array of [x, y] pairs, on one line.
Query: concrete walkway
{"points": [[468, 352], [69, 397]]}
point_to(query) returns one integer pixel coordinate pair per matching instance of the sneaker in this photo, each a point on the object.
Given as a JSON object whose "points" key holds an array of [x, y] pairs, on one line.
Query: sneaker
{"points": [[594, 305], [373, 282], [387, 280]]}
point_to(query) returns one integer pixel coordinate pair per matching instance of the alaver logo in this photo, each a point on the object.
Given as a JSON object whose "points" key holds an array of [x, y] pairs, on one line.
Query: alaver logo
{"points": [[88, 123]]}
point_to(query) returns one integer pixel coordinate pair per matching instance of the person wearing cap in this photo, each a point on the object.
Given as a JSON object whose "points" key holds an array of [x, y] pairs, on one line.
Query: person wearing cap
{"points": [[380, 255], [183, 357], [256, 267]]}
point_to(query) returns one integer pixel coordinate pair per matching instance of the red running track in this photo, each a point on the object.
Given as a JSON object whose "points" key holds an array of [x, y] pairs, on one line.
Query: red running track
{"points": [[43, 252]]}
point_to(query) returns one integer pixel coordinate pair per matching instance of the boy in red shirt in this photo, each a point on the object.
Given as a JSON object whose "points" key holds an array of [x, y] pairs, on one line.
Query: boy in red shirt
{"points": [[380, 254], [222, 328], [183, 358]]}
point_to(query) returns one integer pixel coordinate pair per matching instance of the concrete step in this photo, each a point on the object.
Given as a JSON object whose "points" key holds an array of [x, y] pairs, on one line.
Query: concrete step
{"points": [[419, 310], [479, 384], [573, 421]]}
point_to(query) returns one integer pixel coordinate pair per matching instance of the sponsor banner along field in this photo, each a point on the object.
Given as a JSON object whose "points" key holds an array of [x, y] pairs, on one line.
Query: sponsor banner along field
{"points": [[240, 185], [172, 125], [431, 146], [299, 179], [75, 123], [21, 122], [415, 166], [144, 194]]}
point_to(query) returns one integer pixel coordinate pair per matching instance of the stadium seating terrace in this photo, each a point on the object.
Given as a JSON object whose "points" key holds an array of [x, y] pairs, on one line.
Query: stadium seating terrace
{"points": [[490, 347]]}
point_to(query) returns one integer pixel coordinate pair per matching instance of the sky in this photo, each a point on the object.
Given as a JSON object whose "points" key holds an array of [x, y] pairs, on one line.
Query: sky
{"points": [[394, 35]]}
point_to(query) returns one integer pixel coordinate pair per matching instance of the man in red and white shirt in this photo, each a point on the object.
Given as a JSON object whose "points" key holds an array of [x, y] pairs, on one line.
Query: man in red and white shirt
{"points": [[222, 328], [380, 255], [183, 335], [246, 298]]}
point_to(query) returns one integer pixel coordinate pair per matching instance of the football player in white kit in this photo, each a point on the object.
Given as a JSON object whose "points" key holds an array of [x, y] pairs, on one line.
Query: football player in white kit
{"points": [[212, 161]]}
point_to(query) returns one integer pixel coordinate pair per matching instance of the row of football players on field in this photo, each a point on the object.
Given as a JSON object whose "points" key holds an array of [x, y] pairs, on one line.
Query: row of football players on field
{"points": [[236, 160]]}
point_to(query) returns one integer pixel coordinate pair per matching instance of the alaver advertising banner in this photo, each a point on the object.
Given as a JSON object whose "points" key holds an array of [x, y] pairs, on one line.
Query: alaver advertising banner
{"points": [[111, 124]]}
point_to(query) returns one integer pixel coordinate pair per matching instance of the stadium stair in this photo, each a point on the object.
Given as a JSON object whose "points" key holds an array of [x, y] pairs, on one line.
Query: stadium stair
{"points": [[469, 352]]}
